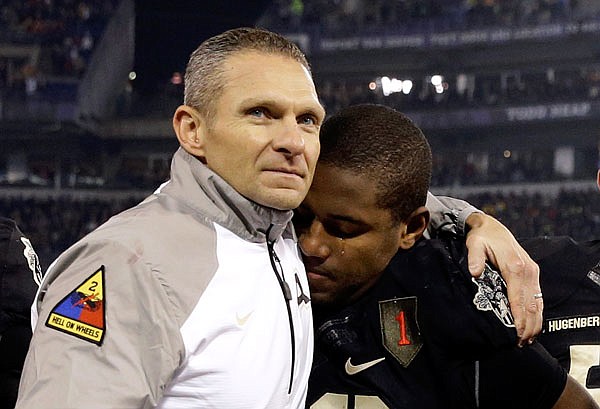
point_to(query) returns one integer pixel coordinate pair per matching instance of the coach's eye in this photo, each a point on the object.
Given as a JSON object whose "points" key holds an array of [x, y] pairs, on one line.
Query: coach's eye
{"points": [[258, 112], [307, 120]]}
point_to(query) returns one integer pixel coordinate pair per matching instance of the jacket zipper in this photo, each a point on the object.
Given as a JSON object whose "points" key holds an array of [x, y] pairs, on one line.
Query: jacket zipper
{"points": [[287, 295]]}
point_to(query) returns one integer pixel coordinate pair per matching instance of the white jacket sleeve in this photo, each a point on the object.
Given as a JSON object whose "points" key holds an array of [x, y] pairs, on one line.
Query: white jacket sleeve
{"points": [[448, 214]]}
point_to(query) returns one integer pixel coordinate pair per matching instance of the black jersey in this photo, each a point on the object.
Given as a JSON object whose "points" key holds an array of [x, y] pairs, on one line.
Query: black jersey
{"points": [[570, 281], [20, 275], [427, 335]]}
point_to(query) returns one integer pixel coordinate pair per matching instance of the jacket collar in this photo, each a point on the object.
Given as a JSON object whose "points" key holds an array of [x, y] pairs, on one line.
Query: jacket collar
{"points": [[211, 197]]}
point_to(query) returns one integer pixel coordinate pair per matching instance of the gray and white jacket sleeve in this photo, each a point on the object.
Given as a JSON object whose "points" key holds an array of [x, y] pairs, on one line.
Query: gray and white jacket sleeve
{"points": [[448, 214], [140, 349]]}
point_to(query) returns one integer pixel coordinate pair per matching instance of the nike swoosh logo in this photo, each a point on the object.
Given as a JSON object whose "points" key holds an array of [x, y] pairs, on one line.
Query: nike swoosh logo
{"points": [[354, 369], [242, 320]]}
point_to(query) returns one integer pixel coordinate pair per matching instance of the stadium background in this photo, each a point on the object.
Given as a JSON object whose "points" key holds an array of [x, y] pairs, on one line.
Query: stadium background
{"points": [[508, 93]]}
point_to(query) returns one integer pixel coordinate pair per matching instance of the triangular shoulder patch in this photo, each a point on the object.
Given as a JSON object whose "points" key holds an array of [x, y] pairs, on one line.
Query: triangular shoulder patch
{"points": [[400, 329], [81, 312]]}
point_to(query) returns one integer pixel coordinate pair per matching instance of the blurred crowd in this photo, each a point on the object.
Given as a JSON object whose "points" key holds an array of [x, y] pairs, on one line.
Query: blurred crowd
{"points": [[53, 224], [342, 17], [130, 172], [469, 169], [66, 32], [468, 90], [140, 173], [458, 91], [572, 213]]}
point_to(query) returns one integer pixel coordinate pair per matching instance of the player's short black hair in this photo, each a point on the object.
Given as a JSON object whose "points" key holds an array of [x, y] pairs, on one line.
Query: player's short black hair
{"points": [[385, 145]]}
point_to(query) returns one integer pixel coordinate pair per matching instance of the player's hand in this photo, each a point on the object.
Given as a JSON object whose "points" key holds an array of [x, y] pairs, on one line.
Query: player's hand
{"points": [[488, 239]]}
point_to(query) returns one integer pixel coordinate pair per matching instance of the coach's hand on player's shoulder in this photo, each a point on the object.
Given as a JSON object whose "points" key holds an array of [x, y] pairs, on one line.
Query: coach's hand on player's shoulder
{"points": [[488, 239]]}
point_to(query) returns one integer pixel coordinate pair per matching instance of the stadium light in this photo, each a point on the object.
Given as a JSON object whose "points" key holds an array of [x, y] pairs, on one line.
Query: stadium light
{"points": [[393, 85]]}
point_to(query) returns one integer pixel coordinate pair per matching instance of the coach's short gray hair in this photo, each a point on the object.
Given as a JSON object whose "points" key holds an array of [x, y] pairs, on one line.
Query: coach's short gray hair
{"points": [[204, 72]]}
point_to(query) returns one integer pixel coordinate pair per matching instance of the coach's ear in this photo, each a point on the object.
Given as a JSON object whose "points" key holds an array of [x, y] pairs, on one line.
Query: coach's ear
{"points": [[188, 125], [413, 228]]}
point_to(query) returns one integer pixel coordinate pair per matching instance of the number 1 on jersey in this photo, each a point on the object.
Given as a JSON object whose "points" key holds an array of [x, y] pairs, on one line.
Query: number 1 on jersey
{"points": [[402, 323]]}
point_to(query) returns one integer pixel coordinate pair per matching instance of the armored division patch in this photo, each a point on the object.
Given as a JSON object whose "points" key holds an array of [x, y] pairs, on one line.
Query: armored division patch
{"points": [[399, 328], [81, 312], [491, 295]]}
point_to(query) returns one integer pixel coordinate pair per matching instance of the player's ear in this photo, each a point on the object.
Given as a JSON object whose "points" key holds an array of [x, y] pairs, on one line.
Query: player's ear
{"points": [[413, 228], [189, 126]]}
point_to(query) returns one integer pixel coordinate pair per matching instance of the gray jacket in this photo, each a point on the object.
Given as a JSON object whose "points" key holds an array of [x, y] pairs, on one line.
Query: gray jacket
{"points": [[177, 302]]}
